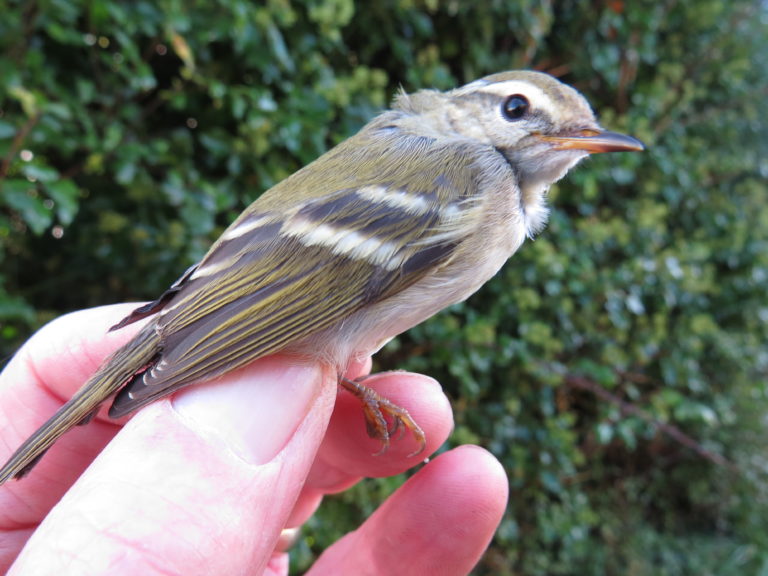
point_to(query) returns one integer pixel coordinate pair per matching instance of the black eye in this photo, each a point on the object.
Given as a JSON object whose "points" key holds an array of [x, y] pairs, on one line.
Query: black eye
{"points": [[515, 107]]}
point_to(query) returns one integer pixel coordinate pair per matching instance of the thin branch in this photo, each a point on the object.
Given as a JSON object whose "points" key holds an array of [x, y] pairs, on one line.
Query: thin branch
{"points": [[18, 141], [627, 408]]}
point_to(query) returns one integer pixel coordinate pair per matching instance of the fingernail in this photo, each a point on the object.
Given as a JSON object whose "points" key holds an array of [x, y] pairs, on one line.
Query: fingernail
{"points": [[254, 411]]}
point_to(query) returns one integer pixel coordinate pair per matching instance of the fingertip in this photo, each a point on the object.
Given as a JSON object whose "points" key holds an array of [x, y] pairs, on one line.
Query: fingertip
{"points": [[471, 477], [439, 522], [451, 508]]}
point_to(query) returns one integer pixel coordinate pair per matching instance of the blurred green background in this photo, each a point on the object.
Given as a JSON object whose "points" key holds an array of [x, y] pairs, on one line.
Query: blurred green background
{"points": [[617, 365]]}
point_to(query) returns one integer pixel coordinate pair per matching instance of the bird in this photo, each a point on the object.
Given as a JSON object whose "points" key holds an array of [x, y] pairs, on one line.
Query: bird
{"points": [[412, 214]]}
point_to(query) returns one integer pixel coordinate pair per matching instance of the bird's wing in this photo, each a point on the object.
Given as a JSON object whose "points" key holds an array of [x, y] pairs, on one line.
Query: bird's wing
{"points": [[269, 280]]}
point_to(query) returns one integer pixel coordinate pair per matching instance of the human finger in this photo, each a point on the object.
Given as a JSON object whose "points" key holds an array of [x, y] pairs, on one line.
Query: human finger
{"points": [[439, 522], [200, 485]]}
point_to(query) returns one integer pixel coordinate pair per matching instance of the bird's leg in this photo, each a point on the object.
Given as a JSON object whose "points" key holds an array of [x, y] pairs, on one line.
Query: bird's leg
{"points": [[376, 408]]}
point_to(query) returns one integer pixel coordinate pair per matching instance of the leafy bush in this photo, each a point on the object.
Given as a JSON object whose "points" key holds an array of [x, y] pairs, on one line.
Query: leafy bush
{"points": [[617, 364]]}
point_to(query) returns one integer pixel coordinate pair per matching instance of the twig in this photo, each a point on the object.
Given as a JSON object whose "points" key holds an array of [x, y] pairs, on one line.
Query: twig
{"points": [[669, 430], [18, 140]]}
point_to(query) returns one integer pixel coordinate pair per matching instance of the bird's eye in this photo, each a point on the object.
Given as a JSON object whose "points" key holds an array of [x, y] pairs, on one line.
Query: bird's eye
{"points": [[515, 107]]}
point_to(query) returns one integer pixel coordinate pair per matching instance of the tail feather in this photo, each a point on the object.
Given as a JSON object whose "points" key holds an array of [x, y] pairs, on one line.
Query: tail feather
{"points": [[121, 366]]}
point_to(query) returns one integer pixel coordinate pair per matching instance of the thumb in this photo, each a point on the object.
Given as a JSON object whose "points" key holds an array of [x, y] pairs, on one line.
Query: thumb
{"points": [[199, 485]]}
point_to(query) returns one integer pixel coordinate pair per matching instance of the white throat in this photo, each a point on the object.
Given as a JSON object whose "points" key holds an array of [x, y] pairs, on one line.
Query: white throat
{"points": [[534, 209], [533, 190]]}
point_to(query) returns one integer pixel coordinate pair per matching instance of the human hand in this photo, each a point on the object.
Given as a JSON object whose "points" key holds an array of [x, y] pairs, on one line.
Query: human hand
{"points": [[206, 482]]}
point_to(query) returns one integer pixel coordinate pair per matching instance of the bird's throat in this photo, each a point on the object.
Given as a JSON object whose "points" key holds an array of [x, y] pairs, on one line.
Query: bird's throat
{"points": [[533, 207]]}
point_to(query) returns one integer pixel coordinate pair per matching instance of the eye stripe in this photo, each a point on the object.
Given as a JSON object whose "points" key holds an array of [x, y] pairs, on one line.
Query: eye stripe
{"points": [[540, 100]]}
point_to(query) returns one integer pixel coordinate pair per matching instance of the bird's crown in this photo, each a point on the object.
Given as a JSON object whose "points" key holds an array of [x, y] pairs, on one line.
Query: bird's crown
{"points": [[503, 109]]}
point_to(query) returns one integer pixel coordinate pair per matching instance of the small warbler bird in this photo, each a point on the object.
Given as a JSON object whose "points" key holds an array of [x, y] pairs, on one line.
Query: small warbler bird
{"points": [[413, 213]]}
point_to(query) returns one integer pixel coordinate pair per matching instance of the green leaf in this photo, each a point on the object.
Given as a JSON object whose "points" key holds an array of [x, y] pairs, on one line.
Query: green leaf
{"points": [[64, 194], [35, 171], [7, 130], [22, 197]]}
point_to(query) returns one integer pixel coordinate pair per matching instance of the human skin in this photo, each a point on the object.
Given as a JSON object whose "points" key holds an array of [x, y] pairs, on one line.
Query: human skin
{"points": [[206, 482]]}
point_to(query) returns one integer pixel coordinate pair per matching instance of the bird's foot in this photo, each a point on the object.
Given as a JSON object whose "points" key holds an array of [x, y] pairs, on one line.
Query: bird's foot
{"points": [[376, 409]]}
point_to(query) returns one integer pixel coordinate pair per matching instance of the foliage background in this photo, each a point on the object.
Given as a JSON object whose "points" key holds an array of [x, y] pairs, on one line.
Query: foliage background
{"points": [[617, 366]]}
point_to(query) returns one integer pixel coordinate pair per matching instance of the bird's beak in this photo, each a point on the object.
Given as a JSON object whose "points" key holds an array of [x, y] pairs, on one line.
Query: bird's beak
{"points": [[596, 141]]}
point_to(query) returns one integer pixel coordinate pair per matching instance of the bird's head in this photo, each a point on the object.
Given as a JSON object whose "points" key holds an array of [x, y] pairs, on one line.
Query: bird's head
{"points": [[540, 125]]}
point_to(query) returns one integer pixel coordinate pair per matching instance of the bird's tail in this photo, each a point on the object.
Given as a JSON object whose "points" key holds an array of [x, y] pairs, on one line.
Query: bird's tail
{"points": [[132, 358]]}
